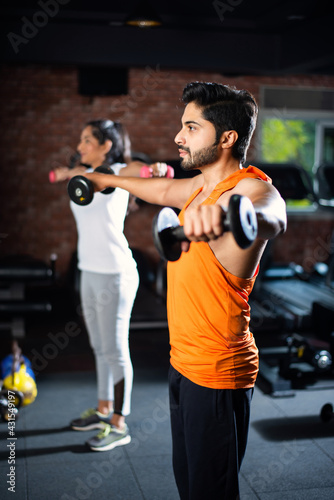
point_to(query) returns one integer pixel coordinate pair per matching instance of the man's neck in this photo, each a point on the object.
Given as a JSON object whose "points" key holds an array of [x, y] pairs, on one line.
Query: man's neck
{"points": [[217, 172]]}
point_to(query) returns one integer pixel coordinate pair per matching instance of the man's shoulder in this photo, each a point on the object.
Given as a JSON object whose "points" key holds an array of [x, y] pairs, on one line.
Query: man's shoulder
{"points": [[250, 186], [253, 181]]}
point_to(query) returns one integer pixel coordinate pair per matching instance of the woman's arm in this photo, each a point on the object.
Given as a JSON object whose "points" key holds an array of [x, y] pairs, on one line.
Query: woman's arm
{"points": [[60, 174]]}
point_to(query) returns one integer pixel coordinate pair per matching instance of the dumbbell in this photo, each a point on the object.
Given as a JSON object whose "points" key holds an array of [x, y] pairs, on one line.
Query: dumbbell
{"points": [[240, 219], [81, 189], [146, 171], [327, 413], [52, 176]]}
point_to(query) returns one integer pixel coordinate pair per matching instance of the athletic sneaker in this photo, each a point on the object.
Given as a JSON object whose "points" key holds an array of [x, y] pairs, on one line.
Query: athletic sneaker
{"points": [[109, 438], [90, 419]]}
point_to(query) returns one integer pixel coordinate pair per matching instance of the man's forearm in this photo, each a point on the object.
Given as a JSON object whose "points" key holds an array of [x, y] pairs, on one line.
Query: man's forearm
{"points": [[151, 190]]}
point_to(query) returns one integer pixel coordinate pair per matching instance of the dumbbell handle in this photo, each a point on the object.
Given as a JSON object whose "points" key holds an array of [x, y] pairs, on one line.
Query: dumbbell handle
{"points": [[177, 233], [168, 234], [240, 219]]}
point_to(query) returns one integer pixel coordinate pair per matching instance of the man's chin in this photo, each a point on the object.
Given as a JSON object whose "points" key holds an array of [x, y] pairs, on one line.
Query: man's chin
{"points": [[186, 166]]}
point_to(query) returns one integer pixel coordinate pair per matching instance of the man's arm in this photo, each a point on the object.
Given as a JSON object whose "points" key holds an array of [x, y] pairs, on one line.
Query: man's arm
{"points": [[134, 169], [204, 223], [156, 190], [269, 206]]}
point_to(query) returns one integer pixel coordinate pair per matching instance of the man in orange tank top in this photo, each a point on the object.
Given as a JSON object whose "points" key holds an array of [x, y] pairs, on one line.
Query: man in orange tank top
{"points": [[214, 359]]}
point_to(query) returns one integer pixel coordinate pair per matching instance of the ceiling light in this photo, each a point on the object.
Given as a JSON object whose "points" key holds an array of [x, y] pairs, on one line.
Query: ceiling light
{"points": [[144, 16]]}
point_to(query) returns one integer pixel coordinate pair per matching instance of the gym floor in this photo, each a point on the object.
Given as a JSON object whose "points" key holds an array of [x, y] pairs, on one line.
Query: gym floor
{"points": [[290, 454]]}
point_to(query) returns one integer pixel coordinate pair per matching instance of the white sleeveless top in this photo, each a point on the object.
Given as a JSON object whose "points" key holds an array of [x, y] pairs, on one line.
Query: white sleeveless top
{"points": [[102, 246]]}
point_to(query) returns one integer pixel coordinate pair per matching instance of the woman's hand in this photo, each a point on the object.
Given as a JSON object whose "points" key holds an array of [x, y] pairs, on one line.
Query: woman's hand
{"points": [[60, 174], [159, 169]]}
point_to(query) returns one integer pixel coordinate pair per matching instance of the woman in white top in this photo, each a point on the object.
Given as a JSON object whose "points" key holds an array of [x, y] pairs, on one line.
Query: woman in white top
{"points": [[109, 282]]}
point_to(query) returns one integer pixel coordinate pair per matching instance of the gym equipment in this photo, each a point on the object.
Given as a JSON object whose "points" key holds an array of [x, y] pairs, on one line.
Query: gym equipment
{"points": [[301, 349], [327, 413], [26, 287], [146, 171], [292, 311], [81, 189], [240, 219], [22, 381], [19, 386], [301, 363], [52, 177], [291, 180]]}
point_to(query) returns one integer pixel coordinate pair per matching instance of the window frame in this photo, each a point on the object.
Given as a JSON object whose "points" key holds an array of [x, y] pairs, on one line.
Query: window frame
{"points": [[322, 119]]}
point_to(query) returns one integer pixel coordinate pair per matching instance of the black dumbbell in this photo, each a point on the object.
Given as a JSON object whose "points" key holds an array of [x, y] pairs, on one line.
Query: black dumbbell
{"points": [[240, 219], [81, 189], [327, 413]]}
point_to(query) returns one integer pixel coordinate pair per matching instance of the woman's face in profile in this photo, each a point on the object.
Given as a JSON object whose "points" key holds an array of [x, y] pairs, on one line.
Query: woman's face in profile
{"points": [[92, 152]]}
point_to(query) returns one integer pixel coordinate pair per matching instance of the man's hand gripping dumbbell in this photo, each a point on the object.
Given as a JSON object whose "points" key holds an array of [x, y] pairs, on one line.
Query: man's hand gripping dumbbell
{"points": [[81, 189]]}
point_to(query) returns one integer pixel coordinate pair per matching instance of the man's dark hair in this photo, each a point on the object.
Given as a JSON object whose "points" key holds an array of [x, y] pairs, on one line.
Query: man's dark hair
{"points": [[227, 109]]}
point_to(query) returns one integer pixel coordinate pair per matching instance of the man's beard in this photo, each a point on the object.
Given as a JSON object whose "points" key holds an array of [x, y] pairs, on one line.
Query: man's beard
{"points": [[200, 158]]}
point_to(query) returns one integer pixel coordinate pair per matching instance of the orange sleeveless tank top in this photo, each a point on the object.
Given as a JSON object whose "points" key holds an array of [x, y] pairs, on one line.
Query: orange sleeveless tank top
{"points": [[208, 311]]}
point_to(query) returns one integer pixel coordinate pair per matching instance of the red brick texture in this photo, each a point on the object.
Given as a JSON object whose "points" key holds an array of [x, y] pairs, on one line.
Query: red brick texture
{"points": [[42, 115]]}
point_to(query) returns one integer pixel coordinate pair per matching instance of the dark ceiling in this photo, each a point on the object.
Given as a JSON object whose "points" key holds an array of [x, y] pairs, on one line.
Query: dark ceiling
{"points": [[231, 36]]}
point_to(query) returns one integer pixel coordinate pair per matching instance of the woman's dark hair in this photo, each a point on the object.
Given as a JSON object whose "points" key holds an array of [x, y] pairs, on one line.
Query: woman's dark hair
{"points": [[104, 130], [227, 109]]}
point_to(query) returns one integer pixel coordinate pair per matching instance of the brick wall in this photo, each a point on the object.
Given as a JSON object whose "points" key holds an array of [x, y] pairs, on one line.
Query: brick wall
{"points": [[42, 115]]}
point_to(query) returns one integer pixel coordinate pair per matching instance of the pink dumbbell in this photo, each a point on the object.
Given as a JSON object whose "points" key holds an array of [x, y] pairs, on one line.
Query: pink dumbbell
{"points": [[146, 171], [52, 176]]}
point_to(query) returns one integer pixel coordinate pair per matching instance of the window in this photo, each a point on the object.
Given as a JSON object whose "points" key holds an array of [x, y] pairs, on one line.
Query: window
{"points": [[324, 152], [296, 126], [289, 141]]}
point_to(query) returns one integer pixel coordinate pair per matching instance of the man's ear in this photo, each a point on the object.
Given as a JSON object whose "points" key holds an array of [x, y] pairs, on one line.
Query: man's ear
{"points": [[228, 139]]}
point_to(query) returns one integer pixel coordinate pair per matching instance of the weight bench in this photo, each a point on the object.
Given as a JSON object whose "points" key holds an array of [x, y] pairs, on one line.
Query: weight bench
{"points": [[294, 298], [17, 274]]}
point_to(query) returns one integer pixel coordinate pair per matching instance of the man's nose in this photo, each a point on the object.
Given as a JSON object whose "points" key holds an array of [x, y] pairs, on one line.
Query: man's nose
{"points": [[179, 139]]}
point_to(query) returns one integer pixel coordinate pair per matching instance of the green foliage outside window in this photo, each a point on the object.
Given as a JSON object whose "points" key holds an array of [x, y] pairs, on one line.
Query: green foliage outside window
{"points": [[291, 141]]}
